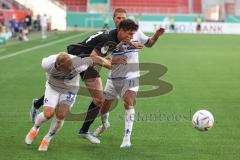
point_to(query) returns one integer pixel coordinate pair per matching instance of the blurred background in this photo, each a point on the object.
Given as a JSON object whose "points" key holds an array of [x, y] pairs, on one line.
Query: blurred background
{"points": [[18, 18], [200, 50]]}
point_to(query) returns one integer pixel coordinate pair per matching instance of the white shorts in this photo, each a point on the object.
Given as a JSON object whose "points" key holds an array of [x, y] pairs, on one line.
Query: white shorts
{"points": [[116, 88], [53, 98]]}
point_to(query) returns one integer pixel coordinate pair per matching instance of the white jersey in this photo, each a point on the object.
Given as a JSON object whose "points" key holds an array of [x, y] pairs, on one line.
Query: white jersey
{"points": [[63, 82], [131, 69], [43, 21]]}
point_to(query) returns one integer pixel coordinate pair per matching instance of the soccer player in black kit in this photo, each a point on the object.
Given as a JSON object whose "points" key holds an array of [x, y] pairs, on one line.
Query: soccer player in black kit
{"points": [[96, 45]]}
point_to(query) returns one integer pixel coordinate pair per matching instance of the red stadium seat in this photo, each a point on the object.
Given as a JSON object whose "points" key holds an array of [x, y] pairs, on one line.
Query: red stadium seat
{"points": [[230, 8], [141, 6], [152, 6], [197, 6], [75, 5]]}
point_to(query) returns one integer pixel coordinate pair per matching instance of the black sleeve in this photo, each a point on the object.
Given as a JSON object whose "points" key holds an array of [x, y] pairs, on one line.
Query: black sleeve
{"points": [[79, 50], [108, 42], [102, 39], [94, 42], [84, 48]]}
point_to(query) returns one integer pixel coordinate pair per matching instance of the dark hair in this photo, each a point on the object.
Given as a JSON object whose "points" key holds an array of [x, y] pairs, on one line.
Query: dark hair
{"points": [[119, 10], [128, 25]]}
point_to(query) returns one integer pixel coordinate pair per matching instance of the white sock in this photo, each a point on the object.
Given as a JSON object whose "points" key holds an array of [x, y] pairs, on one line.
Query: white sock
{"points": [[129, 119], [56, 125], [39, 120], [104, 118]]}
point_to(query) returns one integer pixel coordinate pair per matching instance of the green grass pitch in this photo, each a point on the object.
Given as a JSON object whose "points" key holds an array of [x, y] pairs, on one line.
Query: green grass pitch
{"points": [[203, 69]]}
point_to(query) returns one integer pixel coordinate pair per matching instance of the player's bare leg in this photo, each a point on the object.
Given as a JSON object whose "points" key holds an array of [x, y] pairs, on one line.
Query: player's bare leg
{"points": [[57, 123], [95, 88], [40, 119], [104, 117], [129, 98]]}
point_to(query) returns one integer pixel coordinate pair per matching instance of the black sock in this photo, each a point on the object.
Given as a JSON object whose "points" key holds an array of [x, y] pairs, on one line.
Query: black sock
{"points": [[38, 103], [92, 113]]}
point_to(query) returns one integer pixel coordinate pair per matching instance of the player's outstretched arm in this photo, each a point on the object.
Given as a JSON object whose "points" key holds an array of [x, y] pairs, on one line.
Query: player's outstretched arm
{"points": [[136, 45], [97, 60], [155, 37], [119, 60]]}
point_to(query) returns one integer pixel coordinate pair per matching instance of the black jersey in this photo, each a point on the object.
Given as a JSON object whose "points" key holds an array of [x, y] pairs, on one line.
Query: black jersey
{"points": [[95, 42]]}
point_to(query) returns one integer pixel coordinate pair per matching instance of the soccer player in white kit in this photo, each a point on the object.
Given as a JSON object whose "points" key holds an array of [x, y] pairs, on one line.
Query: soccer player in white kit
{"points": [[62, 72], [123, 81]]}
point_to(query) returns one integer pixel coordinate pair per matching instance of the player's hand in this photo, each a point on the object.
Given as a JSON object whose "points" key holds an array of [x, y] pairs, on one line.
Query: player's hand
{"points": [[119, 60], [122, 46], [137, 45]]}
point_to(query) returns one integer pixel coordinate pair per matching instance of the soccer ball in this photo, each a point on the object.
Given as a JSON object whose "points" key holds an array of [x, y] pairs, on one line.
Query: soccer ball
{"points": [[203, 120]]}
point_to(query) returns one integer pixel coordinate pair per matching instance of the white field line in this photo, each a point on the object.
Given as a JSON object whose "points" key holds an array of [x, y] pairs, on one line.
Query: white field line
{"points": [[40, 46]]}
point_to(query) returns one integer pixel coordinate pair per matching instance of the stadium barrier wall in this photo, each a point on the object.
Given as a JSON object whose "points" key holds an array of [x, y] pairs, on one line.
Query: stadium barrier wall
{"points": [[184, 23], [190, 27], [86, 20]]}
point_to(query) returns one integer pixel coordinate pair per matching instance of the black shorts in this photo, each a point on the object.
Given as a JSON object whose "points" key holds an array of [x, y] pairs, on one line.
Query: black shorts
{"points": [[91, 72]]}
